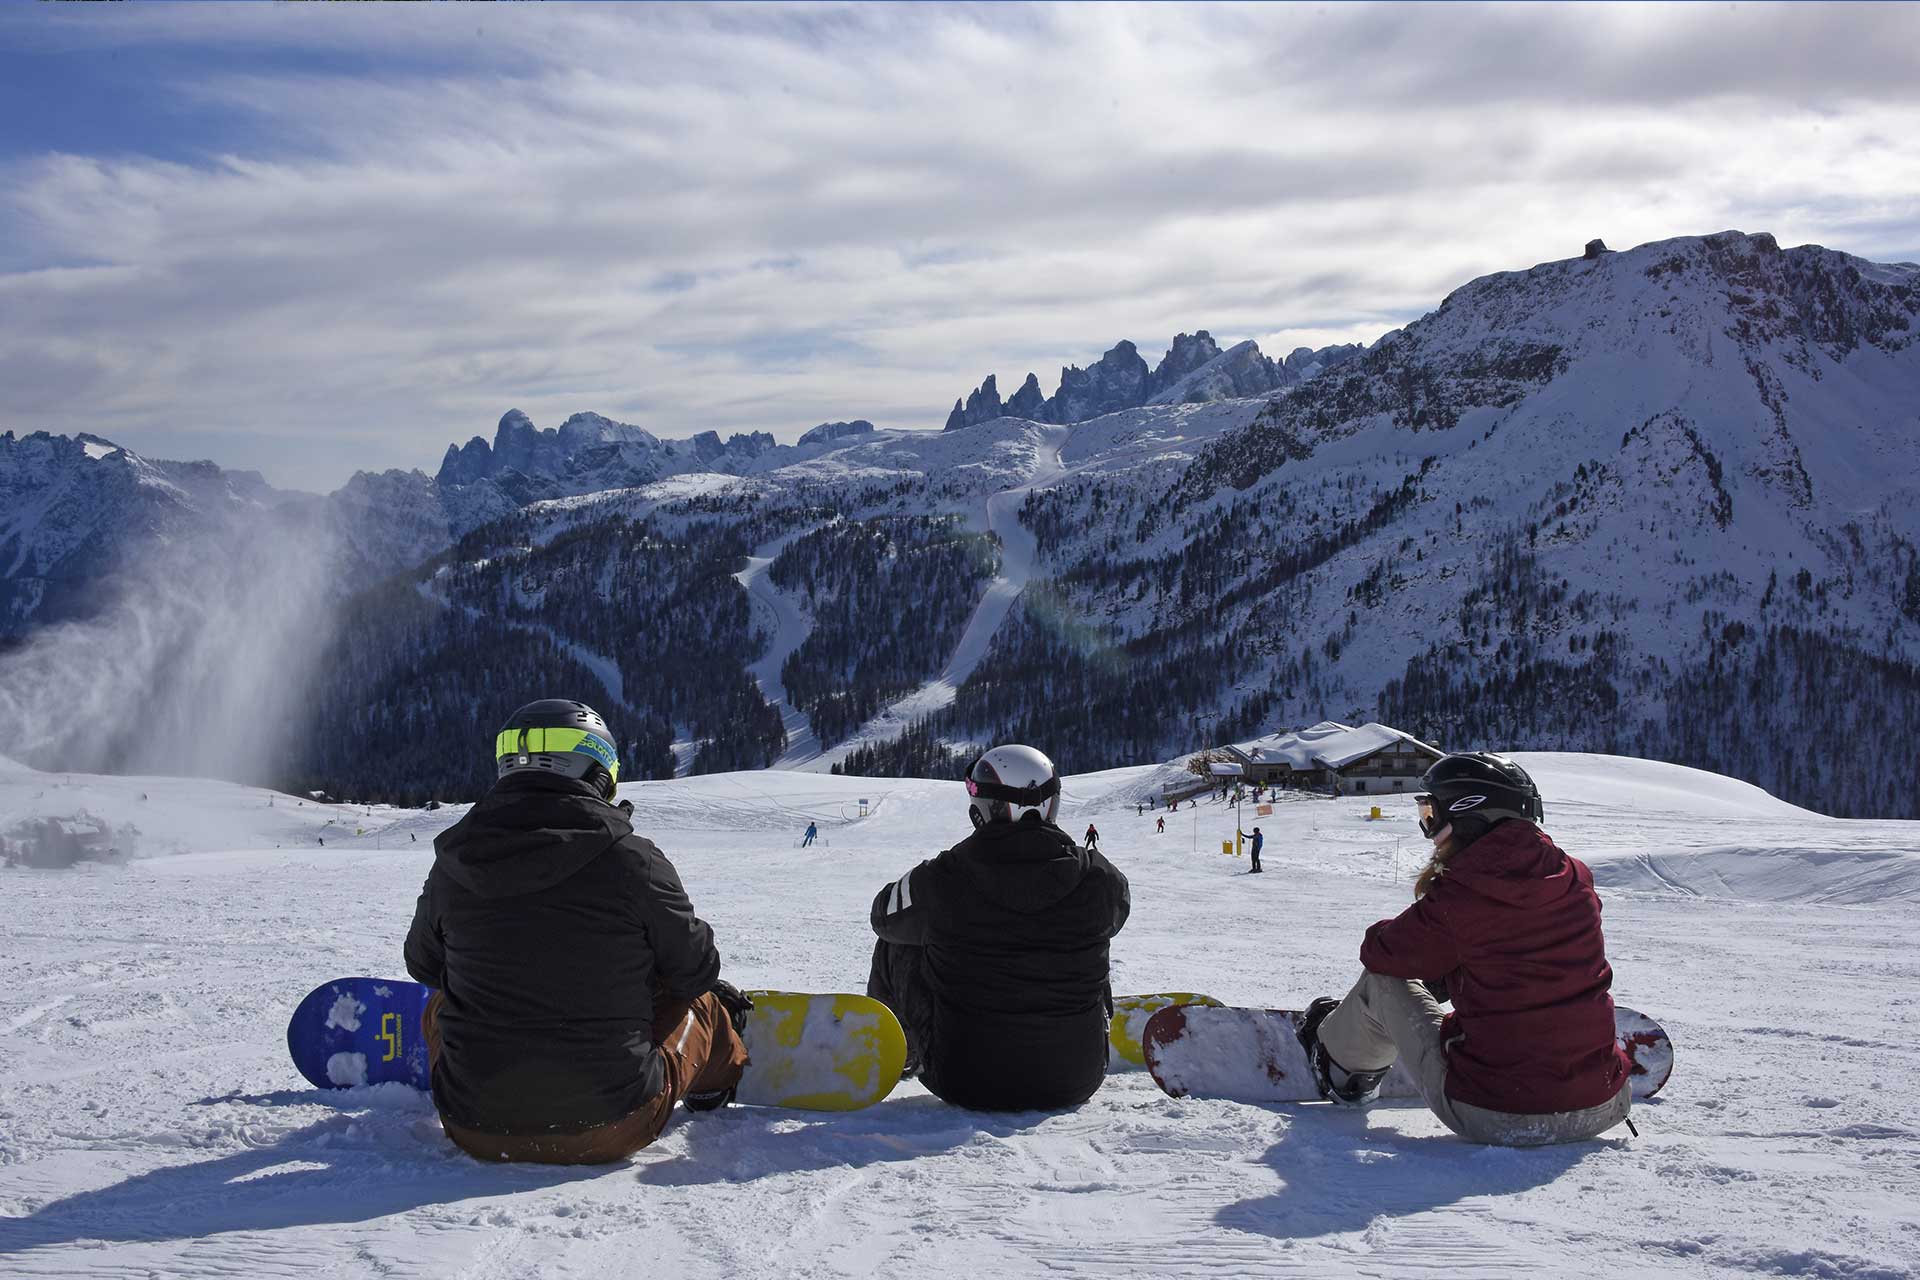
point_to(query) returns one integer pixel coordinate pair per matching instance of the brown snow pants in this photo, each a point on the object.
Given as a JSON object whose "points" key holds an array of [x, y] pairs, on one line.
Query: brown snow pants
{"points": [[699, 1047], [1384, 1020]]}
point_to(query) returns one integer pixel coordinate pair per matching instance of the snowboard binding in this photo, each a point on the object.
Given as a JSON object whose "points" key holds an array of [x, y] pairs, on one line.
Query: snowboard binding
{"points": [[1336, 1084]]}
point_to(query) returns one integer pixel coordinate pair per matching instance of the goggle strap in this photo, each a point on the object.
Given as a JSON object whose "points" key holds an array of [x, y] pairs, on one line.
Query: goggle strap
{"points": [[1033, 796]]}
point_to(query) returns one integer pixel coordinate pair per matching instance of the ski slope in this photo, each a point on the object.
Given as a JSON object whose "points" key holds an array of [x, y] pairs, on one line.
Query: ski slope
{"points": [[150, 1123], [779, 617], [1018, 555]]}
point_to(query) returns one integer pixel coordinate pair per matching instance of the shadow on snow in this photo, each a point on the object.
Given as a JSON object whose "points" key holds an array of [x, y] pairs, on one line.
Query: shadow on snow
{"points": [[743, 1143], [341, 1169], [359, 1166], [1341, 1175]]}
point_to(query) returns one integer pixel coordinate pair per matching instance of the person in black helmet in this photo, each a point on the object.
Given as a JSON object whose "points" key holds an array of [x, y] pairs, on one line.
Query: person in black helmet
{"points": [[994, 954], [577, 995], [1509, 927]]}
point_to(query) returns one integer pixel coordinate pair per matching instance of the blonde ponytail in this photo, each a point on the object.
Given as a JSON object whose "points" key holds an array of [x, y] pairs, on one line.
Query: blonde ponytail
{"points": [[1436, 865]]}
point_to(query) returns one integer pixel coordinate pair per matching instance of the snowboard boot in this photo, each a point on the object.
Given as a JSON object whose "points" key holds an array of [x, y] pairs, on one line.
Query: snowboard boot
{"points": [[1336, 1084], [712, 1100]]}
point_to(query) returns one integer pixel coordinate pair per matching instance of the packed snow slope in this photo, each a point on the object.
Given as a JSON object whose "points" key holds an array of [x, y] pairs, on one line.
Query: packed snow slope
{"points": [[151, 1125]]}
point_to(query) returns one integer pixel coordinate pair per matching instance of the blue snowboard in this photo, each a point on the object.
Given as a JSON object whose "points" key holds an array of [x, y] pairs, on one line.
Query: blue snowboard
{"points": [[830, 1051], [355, 1031]]}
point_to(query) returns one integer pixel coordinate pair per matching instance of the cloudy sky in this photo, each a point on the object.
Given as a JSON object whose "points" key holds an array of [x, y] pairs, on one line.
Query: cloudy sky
{"points": [[313, 239]]}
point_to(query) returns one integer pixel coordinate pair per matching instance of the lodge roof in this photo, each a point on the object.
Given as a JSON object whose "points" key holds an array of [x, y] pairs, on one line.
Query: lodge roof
{"points": [[1327, 745]]}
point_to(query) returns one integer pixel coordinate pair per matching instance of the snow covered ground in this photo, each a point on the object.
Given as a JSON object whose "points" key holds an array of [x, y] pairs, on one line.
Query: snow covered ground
{"points": [[150, 1124]]}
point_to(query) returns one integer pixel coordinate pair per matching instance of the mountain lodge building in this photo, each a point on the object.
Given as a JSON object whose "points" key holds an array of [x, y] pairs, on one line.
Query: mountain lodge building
{"points": [[1374, 759]]}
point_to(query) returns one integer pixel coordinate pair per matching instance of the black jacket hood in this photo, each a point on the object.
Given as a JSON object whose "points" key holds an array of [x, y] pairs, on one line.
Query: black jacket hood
{"points": [[1025, 866], [527, 834]]}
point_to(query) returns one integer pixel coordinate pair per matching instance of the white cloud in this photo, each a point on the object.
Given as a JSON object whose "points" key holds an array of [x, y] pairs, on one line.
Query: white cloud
{"points": [[740, 218]]}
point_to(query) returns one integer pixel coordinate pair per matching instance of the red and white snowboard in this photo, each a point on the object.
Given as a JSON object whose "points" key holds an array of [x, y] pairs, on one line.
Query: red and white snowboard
{"points": [[1254, 1055]]}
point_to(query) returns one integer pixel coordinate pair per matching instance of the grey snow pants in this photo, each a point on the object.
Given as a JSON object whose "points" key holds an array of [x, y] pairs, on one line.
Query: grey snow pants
{"points": [[1384, 1020]]}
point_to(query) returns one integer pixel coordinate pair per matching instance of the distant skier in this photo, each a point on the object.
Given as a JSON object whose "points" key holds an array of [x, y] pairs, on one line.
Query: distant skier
{"points": [[1138, 809], [1511, 926], [995, 953], [1093, 838], [1254, 842], [1159, 826], [577, 995], [813, 830]]}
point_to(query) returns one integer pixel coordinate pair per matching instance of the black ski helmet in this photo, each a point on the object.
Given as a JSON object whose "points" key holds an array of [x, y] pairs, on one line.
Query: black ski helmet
{"points": [[1476, 784], [555, 735]]}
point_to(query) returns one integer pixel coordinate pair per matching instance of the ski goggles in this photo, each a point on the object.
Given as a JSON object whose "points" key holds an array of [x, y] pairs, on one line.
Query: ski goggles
{"points": [[1430, 823], [1033, 796], [534, 742]]}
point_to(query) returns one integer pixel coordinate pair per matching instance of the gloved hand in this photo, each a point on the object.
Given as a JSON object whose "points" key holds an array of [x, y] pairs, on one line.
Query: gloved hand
{"points": [[626, 807], [734, 1001]]}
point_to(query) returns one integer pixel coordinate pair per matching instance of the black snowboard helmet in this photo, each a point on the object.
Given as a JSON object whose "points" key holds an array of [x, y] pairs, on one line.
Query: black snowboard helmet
{"points": [[1477, 786], [555, 735]]}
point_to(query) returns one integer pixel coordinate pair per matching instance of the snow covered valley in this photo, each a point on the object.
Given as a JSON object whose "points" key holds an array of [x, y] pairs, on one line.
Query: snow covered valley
{"points": [[150, 1124]]}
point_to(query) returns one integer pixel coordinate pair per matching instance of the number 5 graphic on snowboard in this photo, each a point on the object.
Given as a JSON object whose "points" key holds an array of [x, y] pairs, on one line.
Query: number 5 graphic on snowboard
{"points": [[390, 1032]]}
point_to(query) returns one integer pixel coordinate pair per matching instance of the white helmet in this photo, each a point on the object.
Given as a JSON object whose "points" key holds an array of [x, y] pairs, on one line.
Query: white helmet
{"points": [[1012, 782]]}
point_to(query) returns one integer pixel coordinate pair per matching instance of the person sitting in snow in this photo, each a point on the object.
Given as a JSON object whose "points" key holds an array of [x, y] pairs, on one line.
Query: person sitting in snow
{"points": [[1510, 926], [994, 954], [577, 996]]}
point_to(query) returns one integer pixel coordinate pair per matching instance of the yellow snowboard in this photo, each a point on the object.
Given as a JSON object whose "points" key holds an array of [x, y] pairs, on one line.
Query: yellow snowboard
{"points": [[832, 1052], [1130, 1016]]}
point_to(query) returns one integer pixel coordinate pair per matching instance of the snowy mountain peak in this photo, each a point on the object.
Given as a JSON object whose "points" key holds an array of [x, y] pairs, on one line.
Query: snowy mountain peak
{"points": [[1120, 379], [1728, 285], [830, 431], [1237, 372], [97, 447], [983, 405], [1187, 354], [1028, 402]]}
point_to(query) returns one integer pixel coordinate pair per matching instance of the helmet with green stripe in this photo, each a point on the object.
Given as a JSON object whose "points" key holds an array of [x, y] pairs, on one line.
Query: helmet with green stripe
{"points": [[561, 737]]}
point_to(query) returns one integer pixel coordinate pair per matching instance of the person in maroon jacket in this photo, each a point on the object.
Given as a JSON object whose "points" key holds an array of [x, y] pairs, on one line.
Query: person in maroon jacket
{"points": [[1509, 927]]}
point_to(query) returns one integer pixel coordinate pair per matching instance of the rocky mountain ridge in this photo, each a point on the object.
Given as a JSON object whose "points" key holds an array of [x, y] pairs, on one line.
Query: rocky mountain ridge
{"points": [[1193, 371]]}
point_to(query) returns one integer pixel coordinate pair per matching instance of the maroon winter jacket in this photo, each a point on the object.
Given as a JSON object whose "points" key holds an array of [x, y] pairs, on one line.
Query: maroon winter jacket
{"points": [[1514, 928]]}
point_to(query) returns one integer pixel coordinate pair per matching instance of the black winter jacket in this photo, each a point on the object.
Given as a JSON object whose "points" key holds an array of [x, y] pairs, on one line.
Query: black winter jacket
{"points": [[552, 929], [1015, 920]]}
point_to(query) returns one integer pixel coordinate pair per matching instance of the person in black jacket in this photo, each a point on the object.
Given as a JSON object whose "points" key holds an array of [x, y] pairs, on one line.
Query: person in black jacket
{"points": [[994, 954], [577, 995]]}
